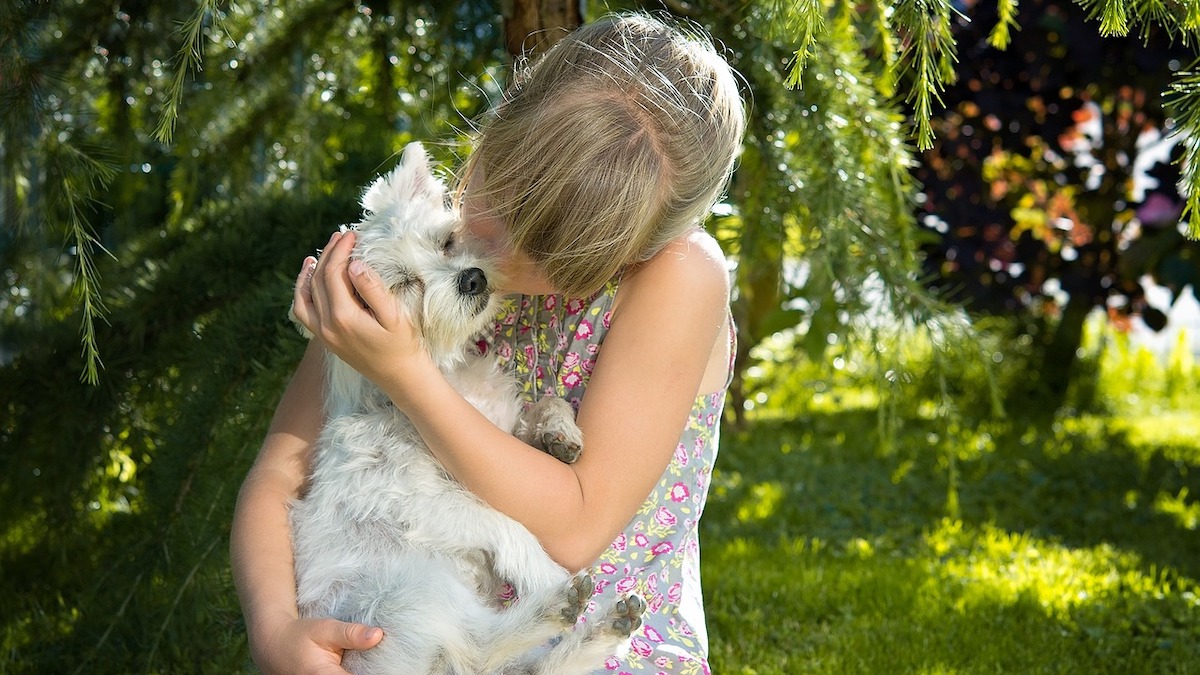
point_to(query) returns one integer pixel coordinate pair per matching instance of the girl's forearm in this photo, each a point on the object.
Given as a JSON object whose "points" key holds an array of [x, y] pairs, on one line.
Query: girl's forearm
{"points": [[260, 540], [261, 554]]}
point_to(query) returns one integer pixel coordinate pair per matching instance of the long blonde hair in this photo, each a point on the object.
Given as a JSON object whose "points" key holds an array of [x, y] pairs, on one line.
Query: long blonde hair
{"points": [[617, 140]]}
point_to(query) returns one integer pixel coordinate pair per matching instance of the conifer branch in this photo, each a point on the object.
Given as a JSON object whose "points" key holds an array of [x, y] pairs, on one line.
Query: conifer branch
{"points": [[809, 17], [188, 60], [75, 178], [1182, 100], [1006, 22], [1114, 17], [929, 54]]}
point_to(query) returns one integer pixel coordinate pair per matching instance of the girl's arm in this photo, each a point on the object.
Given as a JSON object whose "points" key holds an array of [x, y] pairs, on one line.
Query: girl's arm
{"points": [[261, 547], [670, 314]]}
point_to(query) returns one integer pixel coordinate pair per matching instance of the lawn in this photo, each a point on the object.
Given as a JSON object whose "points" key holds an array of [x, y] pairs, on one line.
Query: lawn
{"points": [[1068, 545]]}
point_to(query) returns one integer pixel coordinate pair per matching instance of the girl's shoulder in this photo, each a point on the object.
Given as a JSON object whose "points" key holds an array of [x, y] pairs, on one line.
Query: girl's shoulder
{"points": [[692, 266]]}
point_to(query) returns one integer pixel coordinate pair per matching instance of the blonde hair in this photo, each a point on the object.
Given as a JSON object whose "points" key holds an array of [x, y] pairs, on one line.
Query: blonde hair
{"points": [[617, 140]]}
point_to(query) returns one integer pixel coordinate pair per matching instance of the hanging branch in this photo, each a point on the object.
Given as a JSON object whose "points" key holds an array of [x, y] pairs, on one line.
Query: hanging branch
{"points": [[187, 60], [1182, 99], [1006, 22], [929, 54]]}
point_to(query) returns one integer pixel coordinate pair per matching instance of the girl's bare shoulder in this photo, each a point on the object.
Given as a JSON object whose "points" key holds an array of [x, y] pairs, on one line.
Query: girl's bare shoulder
{"points": [[693, 264]]}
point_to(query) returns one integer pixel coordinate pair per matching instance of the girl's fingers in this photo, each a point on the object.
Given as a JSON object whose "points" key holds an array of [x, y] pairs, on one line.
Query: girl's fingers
{"points": [[370, 290], [333, 285], [302, 302]]}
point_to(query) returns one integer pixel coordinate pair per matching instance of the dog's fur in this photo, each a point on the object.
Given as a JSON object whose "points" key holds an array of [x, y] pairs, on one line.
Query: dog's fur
{"points": [[383, 535]]}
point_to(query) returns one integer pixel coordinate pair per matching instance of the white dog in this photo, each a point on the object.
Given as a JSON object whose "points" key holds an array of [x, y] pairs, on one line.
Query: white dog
{"points": [[383, 535]]}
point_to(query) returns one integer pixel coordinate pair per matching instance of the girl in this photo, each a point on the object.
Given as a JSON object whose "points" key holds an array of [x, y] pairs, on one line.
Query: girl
{"points": [[589, 183]]}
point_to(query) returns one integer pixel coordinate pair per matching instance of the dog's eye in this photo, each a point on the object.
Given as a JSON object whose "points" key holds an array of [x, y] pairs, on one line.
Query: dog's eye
{"points": [[448, 245]]}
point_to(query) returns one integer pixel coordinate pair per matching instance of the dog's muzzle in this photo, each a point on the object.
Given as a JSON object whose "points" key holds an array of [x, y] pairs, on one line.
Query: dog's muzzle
{"points": [[472, 282]]}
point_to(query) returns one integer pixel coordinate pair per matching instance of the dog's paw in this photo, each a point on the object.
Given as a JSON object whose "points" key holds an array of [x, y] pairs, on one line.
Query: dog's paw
{"points": [[560, 446], [578, 593], [626, 615], [549, 425]]}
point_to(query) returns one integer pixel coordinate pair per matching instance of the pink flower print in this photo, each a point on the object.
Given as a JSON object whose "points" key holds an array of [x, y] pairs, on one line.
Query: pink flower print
{"points": [[611, 663], [561, 343], [662, 662], [675, 592], [588, 365], [652, 582], [640, 540], [641, 647], [654, 604], [627, 584], [608, 568], [574, 306], [607, 319], [652, 635], [662, 548], [664, 517], [584, 331], [619, 543], [593, 348], [530, 355], [551, 302], [504, 349], [698, 447], [572, 379], [712, 419], [681, 455], [601, 585], [678, 493], [571, 360]]}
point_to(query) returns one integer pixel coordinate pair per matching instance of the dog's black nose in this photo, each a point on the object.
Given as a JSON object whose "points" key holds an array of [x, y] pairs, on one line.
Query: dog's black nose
{"points": [[472, 282]]}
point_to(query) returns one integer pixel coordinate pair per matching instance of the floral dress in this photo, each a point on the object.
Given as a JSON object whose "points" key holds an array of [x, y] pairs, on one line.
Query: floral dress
{"points": [[551, 343]]}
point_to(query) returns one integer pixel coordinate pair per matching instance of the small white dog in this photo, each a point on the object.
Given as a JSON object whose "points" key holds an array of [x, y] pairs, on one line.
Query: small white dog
{"points": [[383, 535]]}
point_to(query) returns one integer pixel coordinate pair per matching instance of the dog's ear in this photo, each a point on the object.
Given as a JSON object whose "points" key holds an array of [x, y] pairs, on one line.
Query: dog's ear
{"points": [[409, 181]]}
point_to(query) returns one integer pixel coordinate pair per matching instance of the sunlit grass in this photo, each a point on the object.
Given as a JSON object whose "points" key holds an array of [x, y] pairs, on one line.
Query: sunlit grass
{"points": [[1066, 545]]}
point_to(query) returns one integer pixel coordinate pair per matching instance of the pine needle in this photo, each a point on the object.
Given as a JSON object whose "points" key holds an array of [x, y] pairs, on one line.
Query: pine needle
{"points": [[809, 16], [187, 60], [1182, 99], [1006, 22], [929, 54]]}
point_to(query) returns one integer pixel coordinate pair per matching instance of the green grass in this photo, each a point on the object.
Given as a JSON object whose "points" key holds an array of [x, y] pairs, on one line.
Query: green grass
{"points": [[1065, 546]]}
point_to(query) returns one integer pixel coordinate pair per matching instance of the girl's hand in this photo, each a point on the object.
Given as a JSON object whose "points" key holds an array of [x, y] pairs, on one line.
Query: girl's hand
{"points": [[312, 646], [344, 305]]}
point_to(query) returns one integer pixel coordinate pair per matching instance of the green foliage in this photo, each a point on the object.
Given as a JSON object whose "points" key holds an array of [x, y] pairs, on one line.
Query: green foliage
{"points": [[115, 554], [1183, 100]]}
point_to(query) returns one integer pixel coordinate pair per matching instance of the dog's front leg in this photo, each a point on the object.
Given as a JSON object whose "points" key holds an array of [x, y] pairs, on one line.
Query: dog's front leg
{"points": [[549, 425]]}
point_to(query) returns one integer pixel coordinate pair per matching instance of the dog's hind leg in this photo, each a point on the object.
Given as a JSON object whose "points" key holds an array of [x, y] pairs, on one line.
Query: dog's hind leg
{"points": [[432, 620], [533, 621], [584, 649]]}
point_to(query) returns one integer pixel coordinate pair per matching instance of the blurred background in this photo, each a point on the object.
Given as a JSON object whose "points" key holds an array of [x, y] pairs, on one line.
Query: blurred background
{"points": [[963, 434]]}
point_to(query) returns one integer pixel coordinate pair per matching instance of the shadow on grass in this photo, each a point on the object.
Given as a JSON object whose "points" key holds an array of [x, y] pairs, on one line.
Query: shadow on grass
{"points": [[825, 552], [1086, 482], [826, 476], [791, 608]]}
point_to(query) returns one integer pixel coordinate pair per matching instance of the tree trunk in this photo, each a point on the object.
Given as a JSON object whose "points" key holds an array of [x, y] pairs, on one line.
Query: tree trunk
{"points": [[532, 26]]}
